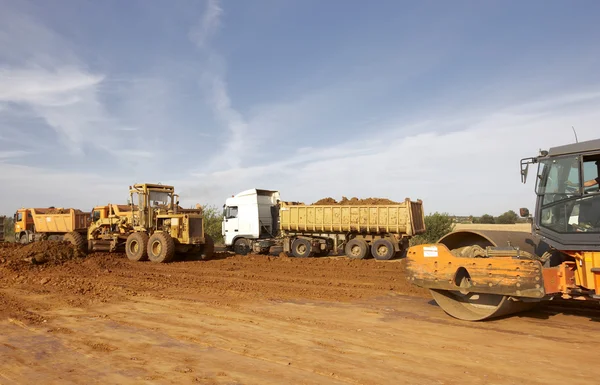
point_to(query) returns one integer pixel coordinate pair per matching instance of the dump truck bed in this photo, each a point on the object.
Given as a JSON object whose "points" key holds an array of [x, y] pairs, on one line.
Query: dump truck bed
{"points": [[59, 220], [405, 218]]}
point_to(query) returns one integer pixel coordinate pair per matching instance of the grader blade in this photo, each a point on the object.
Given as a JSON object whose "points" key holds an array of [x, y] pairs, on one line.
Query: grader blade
{"points": [[475, 289]]}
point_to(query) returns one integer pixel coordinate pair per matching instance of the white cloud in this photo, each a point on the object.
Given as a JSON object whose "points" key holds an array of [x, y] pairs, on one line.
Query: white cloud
{"points": [[473, 170]]}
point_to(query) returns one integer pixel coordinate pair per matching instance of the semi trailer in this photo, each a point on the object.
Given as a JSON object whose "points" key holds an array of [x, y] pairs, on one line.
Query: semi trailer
{"points": [[255, 220]]}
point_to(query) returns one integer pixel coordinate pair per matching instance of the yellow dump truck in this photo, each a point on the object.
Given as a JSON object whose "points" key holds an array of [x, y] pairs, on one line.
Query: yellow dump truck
{"points": [[254, 220], [35, 224]]}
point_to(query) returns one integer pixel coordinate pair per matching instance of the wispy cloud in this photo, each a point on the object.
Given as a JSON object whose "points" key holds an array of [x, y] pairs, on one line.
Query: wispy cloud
{"points": [[214, 84]]}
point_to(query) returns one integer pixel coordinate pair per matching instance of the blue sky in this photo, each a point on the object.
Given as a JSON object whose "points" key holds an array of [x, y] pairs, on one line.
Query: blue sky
{"points": [[432, 100]]}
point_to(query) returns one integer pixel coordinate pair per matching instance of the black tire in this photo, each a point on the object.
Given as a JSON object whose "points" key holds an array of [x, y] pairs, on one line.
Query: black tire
{"points": [[77, 240], [136, 247], [301, 248], [241, 247], [161, 248], [383, 249], [208, 249], [356, 249]]}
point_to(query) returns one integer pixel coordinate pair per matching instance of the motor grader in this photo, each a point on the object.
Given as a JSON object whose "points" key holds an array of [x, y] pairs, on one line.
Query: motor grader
{"points": [[154, 228], [477, 275]]}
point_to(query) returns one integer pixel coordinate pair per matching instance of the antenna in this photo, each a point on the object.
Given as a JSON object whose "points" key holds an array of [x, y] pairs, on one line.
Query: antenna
{"points": [[575, 132]]}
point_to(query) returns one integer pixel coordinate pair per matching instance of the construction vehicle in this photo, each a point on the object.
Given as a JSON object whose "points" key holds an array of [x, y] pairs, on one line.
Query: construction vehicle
{"points": [[53, 224], [256, 219], [2, 220], [155, 228], [477, 275]]}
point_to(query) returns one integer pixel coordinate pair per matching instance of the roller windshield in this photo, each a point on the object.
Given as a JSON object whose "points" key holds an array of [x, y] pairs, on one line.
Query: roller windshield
{"points": [[568, 203]]}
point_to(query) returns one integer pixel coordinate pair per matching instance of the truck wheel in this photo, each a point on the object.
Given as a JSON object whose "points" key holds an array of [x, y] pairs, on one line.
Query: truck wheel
{"points": [[23, 239], [356, 249], [301, 248], [76, 239], [382, 249], [136, 247], [161, 248], [241, 247]]}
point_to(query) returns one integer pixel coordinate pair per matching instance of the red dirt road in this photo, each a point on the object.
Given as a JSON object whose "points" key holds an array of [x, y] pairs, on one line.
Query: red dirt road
{"points": [[267, 320]]}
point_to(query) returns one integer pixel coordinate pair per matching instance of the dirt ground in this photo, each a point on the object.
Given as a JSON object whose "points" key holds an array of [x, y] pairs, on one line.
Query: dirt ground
{"points": [[266, 320]]}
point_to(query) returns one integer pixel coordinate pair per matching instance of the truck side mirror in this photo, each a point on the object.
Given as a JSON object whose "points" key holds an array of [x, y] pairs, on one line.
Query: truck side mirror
{"points": [[524, 212]]}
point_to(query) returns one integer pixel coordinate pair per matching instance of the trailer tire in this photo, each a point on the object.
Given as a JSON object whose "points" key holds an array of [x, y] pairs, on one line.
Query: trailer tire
{"points": [[76, 239], [356, 249], [301, 248], [136, 247], [382, 249], [161, 248]]}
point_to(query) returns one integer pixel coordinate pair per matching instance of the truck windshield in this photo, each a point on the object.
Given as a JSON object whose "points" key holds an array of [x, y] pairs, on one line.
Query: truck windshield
{"points": [[563, 206]]}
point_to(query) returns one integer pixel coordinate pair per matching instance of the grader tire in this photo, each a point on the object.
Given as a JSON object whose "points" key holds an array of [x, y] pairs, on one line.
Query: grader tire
{"points": [[136, 247], [76, 239], [208, 249], [161, 248]]}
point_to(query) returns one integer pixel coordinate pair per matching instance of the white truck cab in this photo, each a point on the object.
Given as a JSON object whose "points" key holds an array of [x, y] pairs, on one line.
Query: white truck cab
{"points": [[250, 215]]}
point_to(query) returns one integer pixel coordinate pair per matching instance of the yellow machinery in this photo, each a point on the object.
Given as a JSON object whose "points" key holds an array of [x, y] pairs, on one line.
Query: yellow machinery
{"points": [[35, 224], [476, 275], [154, 228]]}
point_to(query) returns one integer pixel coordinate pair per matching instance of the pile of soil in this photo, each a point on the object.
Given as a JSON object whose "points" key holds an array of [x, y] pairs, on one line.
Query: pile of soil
{"points": [[54, 210], [37, 253], [356, 202]]}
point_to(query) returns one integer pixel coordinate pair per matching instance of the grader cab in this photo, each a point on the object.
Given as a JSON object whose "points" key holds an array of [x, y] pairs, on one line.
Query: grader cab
{"points": [[476, 275], [152, 226]]}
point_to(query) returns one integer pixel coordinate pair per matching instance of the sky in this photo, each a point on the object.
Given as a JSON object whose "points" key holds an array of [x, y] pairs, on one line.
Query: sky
{"points": [[428, 100]]}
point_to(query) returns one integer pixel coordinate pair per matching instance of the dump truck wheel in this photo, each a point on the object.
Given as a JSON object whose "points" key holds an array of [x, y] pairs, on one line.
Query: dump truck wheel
{"points": [[382, 249], [23, 239], [301, 248], [208, 250], [76, 239], [136, 247], [161, 248], [356, 249]]}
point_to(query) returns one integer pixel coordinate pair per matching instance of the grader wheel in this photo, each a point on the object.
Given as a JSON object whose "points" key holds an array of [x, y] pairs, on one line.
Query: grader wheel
{"points": [[208, 249], [161, 248], [76, 239], [136, 247]]}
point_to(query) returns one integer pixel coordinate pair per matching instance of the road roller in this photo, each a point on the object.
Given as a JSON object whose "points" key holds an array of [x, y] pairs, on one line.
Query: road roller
{"points": [[484, 274]]}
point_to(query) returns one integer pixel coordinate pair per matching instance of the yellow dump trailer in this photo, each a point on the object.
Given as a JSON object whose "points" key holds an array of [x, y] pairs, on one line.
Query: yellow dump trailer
{"points": [[35, 224], [380, 230]]}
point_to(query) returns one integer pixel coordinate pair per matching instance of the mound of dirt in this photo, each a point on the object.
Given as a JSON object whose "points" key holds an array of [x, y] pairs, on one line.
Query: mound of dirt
{"points": [[356, 201], [37, 253]]}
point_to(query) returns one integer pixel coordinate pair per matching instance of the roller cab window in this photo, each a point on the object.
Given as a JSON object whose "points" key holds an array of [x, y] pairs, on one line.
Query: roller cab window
{"points": [[569, 202]]}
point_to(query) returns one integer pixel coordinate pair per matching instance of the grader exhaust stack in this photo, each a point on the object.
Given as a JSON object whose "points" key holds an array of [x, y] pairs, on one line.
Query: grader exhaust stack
{"points": [[478, 275]]}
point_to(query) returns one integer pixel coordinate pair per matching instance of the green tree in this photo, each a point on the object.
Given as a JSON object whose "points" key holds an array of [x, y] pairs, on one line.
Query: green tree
{"points": [[9, 229], [437, 225], [212, 222], [508, 218], [487, 218]]}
